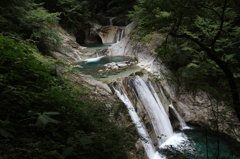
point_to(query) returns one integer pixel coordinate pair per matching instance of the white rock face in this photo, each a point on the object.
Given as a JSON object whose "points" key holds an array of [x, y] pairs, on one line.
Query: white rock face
{"points": [[70, 48], [108, 34]]}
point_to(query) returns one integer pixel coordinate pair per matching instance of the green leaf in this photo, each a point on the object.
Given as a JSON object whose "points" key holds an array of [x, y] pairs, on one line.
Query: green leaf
{"points": [[5, 133], [85, 141], [51, 113], [67, 151], [70, 139], [193, 65], [44, 119]]}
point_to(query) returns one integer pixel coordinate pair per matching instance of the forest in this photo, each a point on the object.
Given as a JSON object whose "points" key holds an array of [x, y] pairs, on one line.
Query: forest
{"points": [[41, 113]]}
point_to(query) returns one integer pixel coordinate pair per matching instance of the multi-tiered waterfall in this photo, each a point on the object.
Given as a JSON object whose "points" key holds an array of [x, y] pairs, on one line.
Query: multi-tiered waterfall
{"points": [[142, 100]]}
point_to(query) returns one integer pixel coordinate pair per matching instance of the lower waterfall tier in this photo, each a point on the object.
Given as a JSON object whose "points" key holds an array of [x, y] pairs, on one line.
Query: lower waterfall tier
{"points": [[149, 111]]}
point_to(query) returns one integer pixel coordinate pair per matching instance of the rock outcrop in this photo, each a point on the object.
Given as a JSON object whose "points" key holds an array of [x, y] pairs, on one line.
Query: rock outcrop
{"points": [[70, 48], [108, 34]]}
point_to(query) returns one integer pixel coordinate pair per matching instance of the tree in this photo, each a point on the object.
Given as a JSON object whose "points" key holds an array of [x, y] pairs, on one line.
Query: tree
{"points": [[28, 20], [209, 27]]}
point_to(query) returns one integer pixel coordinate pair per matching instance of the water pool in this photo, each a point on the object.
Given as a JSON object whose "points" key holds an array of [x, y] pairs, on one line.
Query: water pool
{"points": [[196, 143], [91, 68], [97, 46]]}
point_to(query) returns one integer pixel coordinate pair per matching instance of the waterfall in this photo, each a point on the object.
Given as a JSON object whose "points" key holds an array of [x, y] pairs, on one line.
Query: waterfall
{"points": [[146, 141], [119, 35], [143, 94], [94, 59], [163, 93], [153, 105], [111, 21], [182, 122]]}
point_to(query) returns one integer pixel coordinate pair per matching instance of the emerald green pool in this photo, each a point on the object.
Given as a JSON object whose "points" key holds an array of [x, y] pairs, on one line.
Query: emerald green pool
{"points": [[91, 68], [198, 143], [96, 46]]}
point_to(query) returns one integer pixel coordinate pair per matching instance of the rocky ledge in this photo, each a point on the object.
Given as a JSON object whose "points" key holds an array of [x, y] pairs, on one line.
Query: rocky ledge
{"points": [[117, 65]]}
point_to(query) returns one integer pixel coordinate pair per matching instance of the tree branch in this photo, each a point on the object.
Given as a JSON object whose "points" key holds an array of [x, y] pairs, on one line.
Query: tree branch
{"points": [[221, 26], [227, 71], [202, 45]]}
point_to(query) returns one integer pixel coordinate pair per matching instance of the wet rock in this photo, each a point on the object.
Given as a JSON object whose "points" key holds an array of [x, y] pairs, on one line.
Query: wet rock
{"points": [[115, 67], [121, 65]]}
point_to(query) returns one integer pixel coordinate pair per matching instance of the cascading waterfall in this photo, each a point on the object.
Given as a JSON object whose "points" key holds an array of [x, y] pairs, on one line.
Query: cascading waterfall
{"points": [[120, 35], [143, 93], [111, 21], [159, 117], [165, 98], [146, 141], [180, 119]]}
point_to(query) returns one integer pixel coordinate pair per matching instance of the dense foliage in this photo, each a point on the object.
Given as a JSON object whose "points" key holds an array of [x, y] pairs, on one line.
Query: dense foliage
{"points": [[26, 20], [201, 43], [41, 116], [37, 20]]}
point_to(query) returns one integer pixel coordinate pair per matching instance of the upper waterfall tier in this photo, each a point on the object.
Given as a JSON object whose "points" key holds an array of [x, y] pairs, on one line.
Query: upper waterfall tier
{"points": [[111, 34], [111, 21]]}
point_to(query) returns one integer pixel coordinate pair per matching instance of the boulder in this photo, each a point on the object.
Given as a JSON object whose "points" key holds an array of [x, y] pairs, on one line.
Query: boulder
{"points": [[115, 67], [122, 65]]}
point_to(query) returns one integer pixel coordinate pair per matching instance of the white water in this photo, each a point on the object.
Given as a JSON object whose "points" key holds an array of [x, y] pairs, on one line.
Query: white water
{"points": [[146, 141], [159, 117], [180, 119], [119, 35], [111, 21], [94, 59], [163, 94]]}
